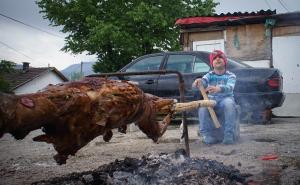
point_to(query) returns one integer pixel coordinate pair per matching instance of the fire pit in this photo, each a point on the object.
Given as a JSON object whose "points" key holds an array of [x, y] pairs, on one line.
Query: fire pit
{"points": [[164, 168]]}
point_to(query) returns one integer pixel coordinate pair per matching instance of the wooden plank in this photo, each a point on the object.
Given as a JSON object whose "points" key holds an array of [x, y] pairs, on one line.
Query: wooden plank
{"points": [[286, 31], [248, 42]]}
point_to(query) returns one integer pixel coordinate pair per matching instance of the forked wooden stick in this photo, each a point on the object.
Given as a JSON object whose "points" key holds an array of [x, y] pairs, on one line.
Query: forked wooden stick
{"points": [[187, 106], [210, 109]]}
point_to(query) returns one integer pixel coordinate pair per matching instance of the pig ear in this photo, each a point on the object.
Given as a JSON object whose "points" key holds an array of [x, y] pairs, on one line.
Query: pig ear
{"points": [[93, 95], [27, 102], [163, 125], [43, 138]]}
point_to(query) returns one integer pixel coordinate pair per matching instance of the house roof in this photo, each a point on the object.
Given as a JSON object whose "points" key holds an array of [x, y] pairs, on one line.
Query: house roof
{"points": [[224, 19], [20, 77]]}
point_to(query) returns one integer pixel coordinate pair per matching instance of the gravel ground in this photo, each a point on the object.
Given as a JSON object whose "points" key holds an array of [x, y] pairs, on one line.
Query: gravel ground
{"points": [[25, 161]]}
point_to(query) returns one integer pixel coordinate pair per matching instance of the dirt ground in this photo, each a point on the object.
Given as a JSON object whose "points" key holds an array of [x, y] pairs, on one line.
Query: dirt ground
{"points": [[25, 161]]}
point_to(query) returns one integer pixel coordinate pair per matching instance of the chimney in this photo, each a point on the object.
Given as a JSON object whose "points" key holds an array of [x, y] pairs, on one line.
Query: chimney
{"points": [[25, 66]]}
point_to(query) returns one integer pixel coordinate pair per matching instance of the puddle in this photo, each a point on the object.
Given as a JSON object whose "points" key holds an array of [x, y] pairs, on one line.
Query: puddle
{"points": [[266, 140]]}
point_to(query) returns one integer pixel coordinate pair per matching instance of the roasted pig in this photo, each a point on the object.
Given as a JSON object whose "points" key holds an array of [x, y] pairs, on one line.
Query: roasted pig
{"points": [[74, 113]]}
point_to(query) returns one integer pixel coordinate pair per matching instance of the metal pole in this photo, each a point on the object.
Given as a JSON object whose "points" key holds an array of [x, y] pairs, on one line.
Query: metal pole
{"points": [[184, 122]]}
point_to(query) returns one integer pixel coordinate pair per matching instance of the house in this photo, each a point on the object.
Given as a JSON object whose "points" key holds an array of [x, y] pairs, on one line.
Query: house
{"points": [[30, 80], [260, 39]]}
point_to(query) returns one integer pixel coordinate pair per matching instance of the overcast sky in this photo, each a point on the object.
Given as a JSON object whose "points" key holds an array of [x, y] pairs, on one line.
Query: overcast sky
{"points": [[20, 43]]}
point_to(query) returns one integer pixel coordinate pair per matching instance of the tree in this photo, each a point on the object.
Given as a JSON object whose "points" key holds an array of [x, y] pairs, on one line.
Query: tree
{"points": [[118, 31], [5, 67]]}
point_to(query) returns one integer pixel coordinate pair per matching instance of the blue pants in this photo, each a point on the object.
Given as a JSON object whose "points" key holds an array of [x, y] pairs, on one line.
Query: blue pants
{"points": [[226, 112]]}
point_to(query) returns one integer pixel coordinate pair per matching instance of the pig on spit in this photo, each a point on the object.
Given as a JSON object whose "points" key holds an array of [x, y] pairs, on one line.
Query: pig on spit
{"points": [[74, 113]]}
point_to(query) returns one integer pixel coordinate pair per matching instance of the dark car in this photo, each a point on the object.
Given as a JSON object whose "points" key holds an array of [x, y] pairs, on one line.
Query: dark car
{"points": [[257, 90]]}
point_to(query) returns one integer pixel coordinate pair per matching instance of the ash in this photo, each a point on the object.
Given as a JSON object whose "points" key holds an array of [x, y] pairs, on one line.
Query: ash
{"points": [[163, 168]]}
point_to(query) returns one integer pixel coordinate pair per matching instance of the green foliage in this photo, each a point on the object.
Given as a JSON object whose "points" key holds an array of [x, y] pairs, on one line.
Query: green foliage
{"points": [[5, 67], [119, 30], [4, 85]]}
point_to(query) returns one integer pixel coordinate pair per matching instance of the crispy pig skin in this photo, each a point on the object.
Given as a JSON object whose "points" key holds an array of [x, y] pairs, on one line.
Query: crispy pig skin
{"points": [[74, 113]]}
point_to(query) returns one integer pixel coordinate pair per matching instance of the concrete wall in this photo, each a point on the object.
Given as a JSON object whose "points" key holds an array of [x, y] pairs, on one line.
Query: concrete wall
{"points": [[38, 83], [290, 107], [286, 46]]}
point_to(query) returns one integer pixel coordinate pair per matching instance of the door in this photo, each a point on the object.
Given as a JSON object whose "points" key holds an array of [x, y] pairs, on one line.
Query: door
{"points": [[209, 45], [147, 83], [286, 59], [190, 66]]}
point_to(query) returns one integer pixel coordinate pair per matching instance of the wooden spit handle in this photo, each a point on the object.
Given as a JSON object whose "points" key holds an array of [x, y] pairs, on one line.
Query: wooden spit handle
{"points": [[210, 109]]}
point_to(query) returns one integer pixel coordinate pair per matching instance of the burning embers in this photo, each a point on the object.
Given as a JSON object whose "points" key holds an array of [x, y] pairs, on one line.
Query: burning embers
{"points": [[157, 169], [74, 113]]}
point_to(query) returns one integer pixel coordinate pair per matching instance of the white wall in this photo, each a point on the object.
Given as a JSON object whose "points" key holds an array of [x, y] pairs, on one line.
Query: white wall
{"points": [[286, 52], [38, 83], [258, 63], [209, 45]]}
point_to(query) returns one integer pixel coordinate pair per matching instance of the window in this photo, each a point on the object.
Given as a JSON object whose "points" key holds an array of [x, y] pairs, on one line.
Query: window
{"points": [[146, 64], [181, 63], [200, 66]]}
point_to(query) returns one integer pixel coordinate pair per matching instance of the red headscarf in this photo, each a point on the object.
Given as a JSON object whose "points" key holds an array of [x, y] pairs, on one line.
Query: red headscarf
{"points": [[216, 53]]}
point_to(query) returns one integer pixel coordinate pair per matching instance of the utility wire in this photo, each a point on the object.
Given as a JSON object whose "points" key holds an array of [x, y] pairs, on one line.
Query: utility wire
{"points": [[19, 52], [283, 5], [15, 50], [268, 4], [33, 27]]}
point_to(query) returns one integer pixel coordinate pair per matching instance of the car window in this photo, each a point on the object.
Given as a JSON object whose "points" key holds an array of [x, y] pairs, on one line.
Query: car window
{"points": [[181, 63], [200, 66], [146, 64]]}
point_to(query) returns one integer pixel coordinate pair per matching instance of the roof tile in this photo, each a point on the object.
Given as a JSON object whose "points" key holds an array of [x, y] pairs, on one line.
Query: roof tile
{"points": [[20, 77]]}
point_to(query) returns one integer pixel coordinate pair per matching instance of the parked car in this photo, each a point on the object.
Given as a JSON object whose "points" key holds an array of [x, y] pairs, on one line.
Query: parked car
{"points": [[257, 90]]}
